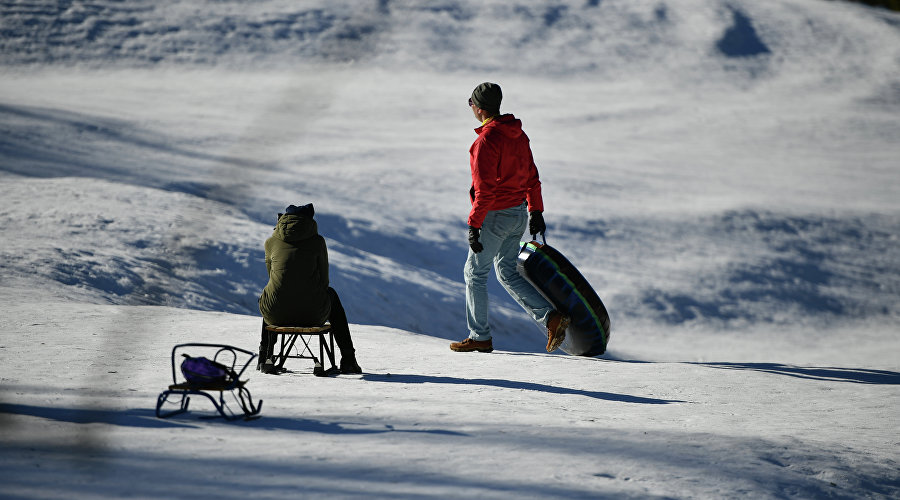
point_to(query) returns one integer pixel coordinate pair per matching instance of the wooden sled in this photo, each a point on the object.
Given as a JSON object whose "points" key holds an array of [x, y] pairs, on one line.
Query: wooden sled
{"points": [[288, 336], [233, 387]]}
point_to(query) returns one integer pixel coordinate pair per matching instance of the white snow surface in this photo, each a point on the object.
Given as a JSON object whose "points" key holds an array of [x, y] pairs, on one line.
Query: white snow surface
{"points": [[725, 173]]}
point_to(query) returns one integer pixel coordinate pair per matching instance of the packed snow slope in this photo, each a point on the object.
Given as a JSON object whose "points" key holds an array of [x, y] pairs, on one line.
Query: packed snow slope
{"points": [[724, 172], [703, 162], [425, 422]]}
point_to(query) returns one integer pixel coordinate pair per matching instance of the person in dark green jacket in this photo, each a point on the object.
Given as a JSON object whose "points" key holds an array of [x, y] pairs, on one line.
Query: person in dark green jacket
{"points": [[298, 293]]}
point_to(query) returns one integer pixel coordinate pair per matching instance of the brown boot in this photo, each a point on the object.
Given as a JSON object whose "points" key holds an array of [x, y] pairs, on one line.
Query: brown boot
{"points": [[470, 345], [556, 330]]}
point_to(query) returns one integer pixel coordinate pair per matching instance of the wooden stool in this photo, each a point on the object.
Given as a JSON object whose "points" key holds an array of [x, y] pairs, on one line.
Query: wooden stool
{"points": [[289, 336]]}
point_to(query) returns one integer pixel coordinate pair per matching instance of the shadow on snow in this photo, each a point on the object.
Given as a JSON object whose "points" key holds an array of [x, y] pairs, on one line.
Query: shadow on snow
{"points": [[126, 418], [513, 384], [829, 374], [146, 418]]}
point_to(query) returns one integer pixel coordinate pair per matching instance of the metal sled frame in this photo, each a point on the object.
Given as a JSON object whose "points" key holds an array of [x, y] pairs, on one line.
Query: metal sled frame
{"points": [[236, 388], [288, 336]]}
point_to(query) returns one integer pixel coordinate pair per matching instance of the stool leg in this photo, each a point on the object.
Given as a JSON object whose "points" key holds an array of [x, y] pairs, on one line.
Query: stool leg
{"points": [[326, 352], [286, 346]]}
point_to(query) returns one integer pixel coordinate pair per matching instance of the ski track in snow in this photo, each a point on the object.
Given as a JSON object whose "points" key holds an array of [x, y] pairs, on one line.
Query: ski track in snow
{"points": [[724, 173]]}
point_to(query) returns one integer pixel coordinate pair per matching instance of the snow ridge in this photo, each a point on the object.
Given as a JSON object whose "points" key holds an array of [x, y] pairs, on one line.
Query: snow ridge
{"points": [[608, 38]]}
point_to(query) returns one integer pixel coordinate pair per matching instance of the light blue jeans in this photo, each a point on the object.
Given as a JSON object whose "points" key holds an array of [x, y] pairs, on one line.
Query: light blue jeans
{"points": [[500, 234]]}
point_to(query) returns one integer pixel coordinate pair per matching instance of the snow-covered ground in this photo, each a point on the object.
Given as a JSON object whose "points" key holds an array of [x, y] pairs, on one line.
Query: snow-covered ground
{"points": [[725, 173]]}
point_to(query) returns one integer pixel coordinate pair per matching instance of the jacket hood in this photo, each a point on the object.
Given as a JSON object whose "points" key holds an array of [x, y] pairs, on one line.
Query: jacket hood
{"points": [[507, 125], [292, 227]]}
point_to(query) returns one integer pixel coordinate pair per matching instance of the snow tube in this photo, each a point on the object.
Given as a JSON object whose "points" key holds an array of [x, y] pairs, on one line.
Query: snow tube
{"points": [[564, 287]]}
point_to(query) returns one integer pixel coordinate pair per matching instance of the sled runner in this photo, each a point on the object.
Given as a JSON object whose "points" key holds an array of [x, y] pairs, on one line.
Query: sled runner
{"points": [[202, 376], [288, 336], [561, 284]]}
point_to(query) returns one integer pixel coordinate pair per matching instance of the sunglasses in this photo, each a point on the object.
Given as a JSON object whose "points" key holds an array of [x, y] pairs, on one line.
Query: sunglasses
{"points": [[471, 103]]}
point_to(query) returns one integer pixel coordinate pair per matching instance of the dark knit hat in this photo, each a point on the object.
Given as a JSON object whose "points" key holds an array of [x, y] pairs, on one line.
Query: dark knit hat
{"points": [[305, 210], [487, 96]]}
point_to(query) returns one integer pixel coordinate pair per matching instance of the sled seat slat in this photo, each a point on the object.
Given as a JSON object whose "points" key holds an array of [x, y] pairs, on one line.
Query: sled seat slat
{"points": [[299, 329], [213, 386]]}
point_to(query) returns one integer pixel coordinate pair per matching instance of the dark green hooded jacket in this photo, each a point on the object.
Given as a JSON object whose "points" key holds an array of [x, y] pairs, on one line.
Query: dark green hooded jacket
{"points": [[297, 261]]}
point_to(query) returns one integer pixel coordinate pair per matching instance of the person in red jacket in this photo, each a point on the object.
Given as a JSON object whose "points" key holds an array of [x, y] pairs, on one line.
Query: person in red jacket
{"points": [[506, 198]]}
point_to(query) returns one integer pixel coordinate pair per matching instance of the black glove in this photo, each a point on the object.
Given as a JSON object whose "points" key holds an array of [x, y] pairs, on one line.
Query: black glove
{"points": [[536, 223], [474, 233]]}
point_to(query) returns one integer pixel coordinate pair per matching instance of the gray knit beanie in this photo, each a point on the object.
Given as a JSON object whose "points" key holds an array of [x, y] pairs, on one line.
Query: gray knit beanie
{"points": [[487, 96]]}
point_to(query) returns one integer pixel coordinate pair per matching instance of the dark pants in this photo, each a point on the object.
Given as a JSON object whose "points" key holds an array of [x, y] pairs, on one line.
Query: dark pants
{"points": [[339, 327]]}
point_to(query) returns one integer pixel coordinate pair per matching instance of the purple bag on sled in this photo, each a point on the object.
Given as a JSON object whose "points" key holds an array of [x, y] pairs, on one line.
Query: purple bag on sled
{"points": [[204, 371]]}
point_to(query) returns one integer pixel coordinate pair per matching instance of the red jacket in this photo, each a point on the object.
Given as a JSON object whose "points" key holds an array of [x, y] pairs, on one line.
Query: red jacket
{"points": [[503, 170]]}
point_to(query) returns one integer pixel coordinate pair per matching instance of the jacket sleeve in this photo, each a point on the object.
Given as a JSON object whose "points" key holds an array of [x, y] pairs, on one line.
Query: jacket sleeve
{"points": [[533, 188], [484, 159]]}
